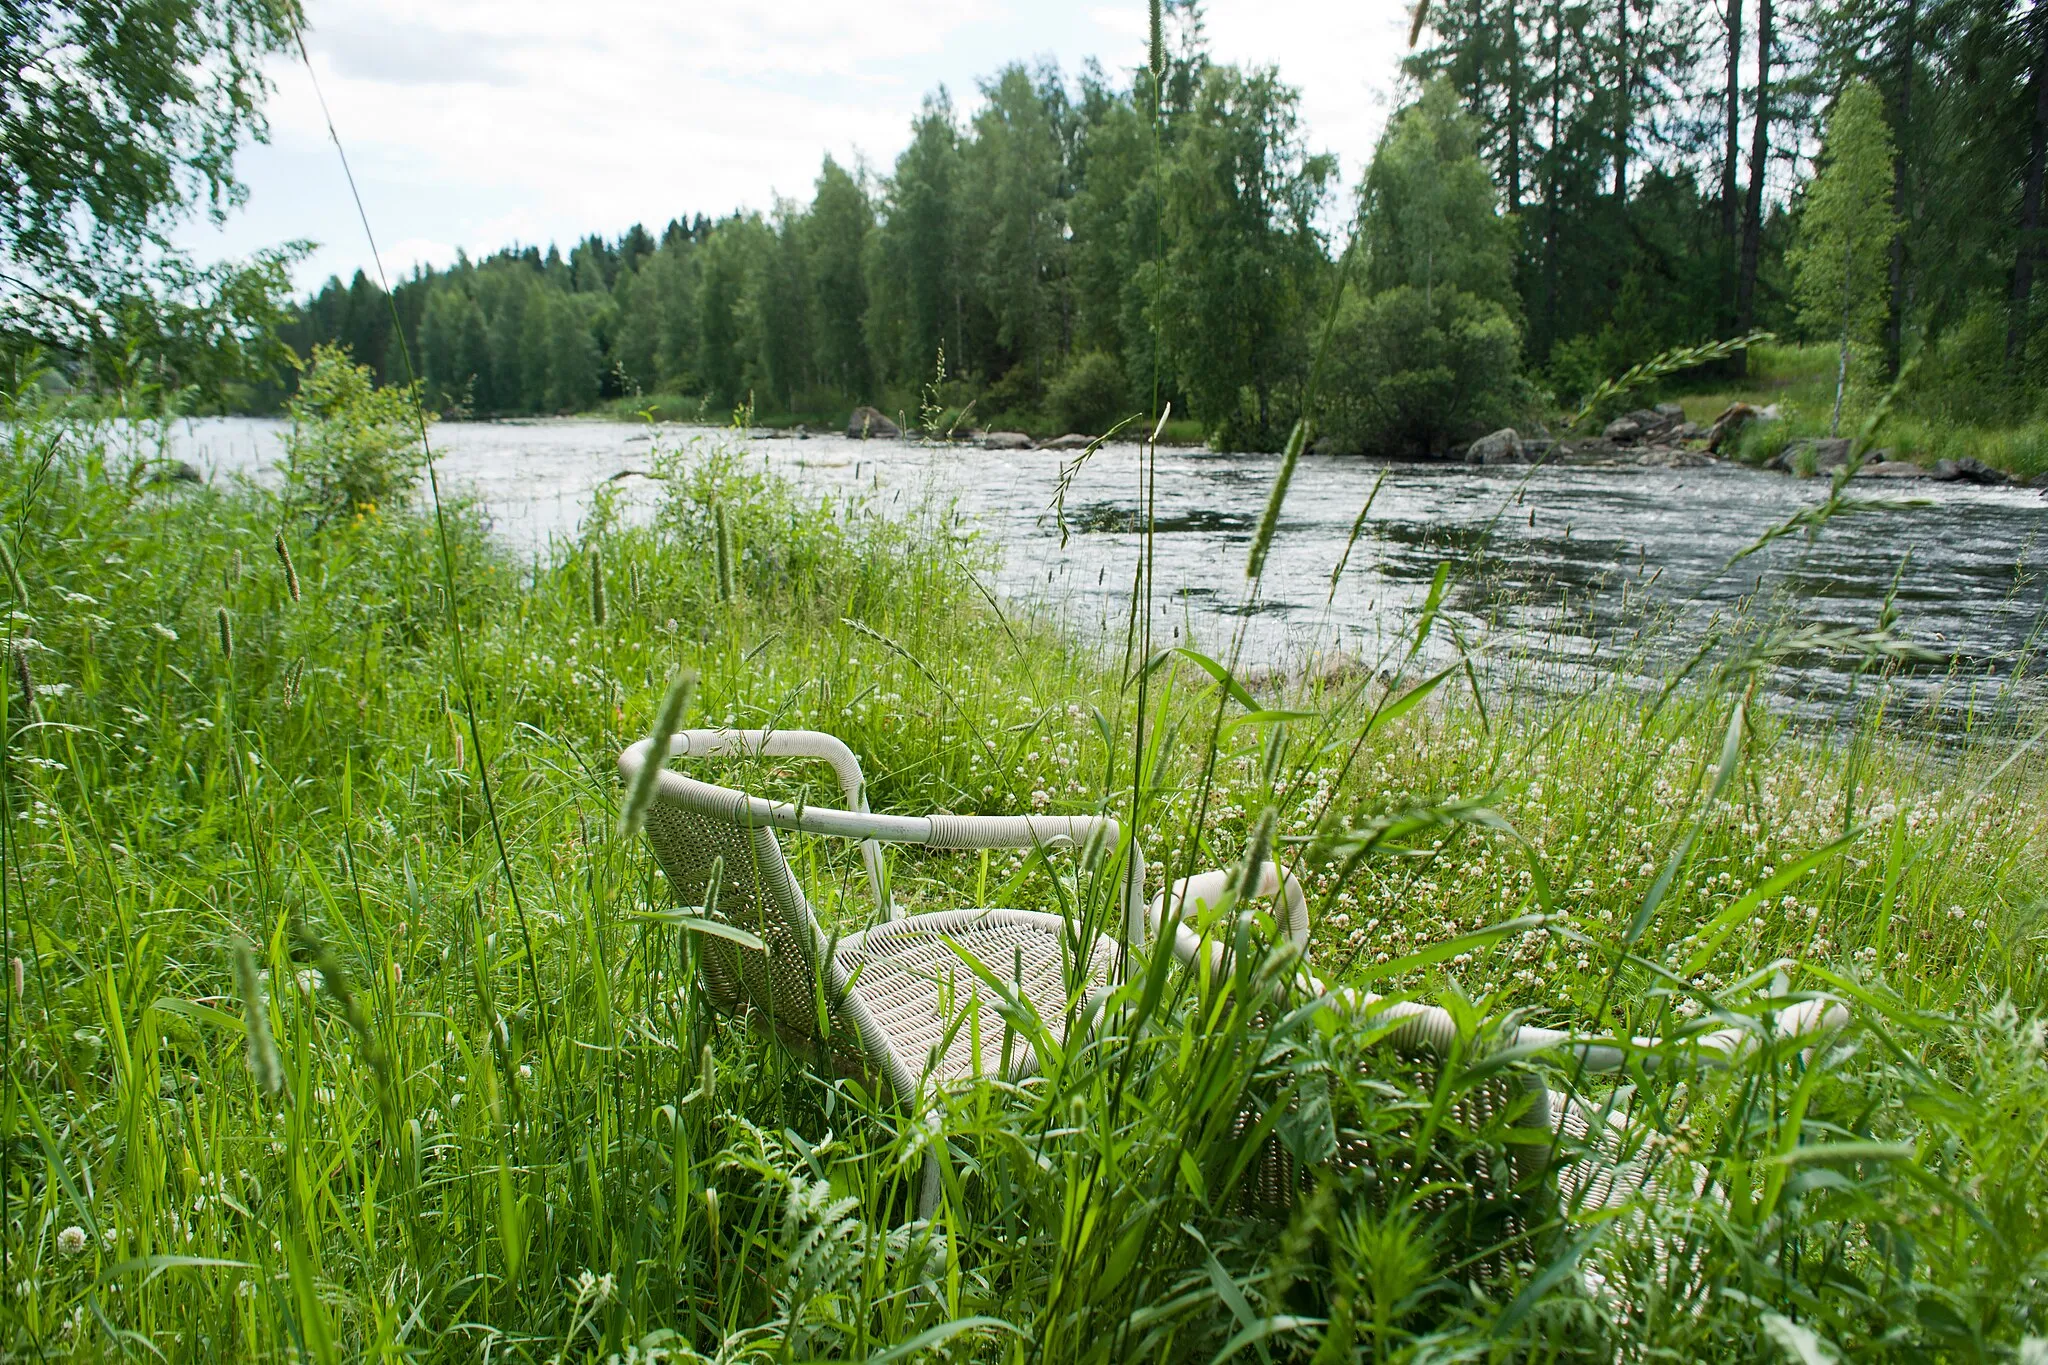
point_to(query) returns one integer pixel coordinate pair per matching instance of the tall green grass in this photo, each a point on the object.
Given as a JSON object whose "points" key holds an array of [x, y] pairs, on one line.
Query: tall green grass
{"points": [[506, 1140]]}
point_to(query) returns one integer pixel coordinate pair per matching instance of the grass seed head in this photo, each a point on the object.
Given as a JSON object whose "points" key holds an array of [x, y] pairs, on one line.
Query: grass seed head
{"points": [[22, 676], [291, 573], [264, 1064], [597, 588], [14, 582], [227, 633], [722, 534], [666, 722]]}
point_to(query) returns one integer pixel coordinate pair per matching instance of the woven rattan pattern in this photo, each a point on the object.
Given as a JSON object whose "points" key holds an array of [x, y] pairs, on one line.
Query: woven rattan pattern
{"points": [[776, 990], [918, 988]]}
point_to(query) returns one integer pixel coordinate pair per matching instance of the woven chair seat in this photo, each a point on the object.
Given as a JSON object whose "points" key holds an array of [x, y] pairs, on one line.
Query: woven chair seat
{"points": [[920, 993]]}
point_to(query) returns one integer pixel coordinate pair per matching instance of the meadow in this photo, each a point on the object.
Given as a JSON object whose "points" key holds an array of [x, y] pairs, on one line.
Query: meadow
{"points": [[344, 1024]]}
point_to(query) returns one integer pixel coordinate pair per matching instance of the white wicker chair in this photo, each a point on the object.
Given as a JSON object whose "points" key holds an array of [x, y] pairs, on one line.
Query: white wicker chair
{"points": [[895, 1001], [1596, 1154]]}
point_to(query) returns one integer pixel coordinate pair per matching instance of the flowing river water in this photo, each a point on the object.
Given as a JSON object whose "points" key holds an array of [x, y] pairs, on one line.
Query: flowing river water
{"points": [[1554, 572]]}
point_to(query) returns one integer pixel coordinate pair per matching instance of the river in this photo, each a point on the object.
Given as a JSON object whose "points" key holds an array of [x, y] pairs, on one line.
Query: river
{"points": [[1555, 571]]}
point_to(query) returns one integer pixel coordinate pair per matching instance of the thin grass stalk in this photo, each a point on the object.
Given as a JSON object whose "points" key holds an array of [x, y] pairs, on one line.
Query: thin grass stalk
{"points": [[446, 554]]}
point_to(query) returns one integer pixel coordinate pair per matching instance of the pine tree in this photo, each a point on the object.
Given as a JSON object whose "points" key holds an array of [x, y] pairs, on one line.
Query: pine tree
{"points": [[1842, 260]]}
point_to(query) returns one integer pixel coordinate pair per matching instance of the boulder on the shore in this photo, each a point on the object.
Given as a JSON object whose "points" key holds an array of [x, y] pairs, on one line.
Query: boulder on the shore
{"points": [[867, 422], [1825, 453], [1073, 440], [1969, 470], [176, 471], [1006, 440], [1645, 424], [1502, 447], [1894, 469], [1727, 427]]}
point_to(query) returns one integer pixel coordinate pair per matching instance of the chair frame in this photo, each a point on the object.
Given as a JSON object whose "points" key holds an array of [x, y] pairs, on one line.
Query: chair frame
{"points": [[827, 959]]}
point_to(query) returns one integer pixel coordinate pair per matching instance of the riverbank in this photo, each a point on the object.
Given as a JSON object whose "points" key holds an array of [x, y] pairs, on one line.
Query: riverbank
{"points": [[505, 1117]]}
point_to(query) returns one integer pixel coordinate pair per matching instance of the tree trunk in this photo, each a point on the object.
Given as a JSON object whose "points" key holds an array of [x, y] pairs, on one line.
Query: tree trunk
{"points": [[1895, 318], [1551, 189], [1842, 361], [1623, 114], [1514, 27], [1731, 220], [1759, 161], [2030, 203]]}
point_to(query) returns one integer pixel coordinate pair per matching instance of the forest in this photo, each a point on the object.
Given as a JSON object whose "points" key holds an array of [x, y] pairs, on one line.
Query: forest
{"points": [[1569, 189]]}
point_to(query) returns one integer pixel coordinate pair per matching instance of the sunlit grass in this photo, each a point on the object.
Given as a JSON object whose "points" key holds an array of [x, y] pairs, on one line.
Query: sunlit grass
{"points": [[518, 1133]]}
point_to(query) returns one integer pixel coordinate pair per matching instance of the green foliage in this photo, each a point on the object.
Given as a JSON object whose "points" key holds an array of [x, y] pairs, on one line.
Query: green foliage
{"points": [[1410, 376], [1240, 262], [116, 125], [353, 448], [1965, 377], [1429, 211], [1090, 395], [1841, 260]]}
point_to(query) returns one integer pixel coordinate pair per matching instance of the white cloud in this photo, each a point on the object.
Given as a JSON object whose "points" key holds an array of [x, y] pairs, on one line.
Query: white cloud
{"points": [[473, 124]]}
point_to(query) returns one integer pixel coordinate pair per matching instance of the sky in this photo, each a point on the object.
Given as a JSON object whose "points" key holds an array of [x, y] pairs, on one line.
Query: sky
{"points": [[474, 124]]}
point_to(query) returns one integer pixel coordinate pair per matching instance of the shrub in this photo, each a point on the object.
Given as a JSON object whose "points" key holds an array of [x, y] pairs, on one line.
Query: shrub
{"points": [[352, 446], [1762, 442], [1964, 377], [1409, 374], [1090, 394]]}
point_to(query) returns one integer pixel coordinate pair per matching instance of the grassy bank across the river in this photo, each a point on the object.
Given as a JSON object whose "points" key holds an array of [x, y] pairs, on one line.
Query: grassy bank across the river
{"points": [[1800, 382], [494, 1119]]}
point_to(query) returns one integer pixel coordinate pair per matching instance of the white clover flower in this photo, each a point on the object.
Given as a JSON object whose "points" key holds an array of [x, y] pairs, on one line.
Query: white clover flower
{"points": [[71, 1240]]}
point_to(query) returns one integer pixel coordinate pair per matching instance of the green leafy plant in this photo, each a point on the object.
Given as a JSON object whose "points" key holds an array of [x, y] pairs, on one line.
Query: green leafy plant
{"points": [[353, 448]]}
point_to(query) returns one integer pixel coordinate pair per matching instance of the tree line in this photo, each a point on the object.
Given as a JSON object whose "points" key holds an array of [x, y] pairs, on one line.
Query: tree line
{"points": [[1571, 188], [1574, 188]]}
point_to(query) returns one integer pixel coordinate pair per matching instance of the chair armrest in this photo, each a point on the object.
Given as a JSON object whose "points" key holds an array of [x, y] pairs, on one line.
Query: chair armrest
{"points": [[815, 744], [933, 831], [1190, 894], [1050, 831]]}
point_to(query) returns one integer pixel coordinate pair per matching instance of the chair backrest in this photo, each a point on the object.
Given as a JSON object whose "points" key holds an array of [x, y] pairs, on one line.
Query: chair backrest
{"points": [[721, 858]]}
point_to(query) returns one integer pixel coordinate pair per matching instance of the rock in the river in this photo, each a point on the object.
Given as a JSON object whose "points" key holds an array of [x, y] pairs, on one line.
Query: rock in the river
{"points": [[1689, 431], [1624, 429], [1536, 447], [867, 422], [1969, 470], [802, 432], [1073, 440], [1006, 440], [1672, 413], [1502, 447], [1894, 469], [1671, 457]]}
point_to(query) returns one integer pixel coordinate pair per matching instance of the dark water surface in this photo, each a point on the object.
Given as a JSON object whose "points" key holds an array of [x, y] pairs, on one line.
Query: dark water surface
{"points": [[1552, 570]]}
